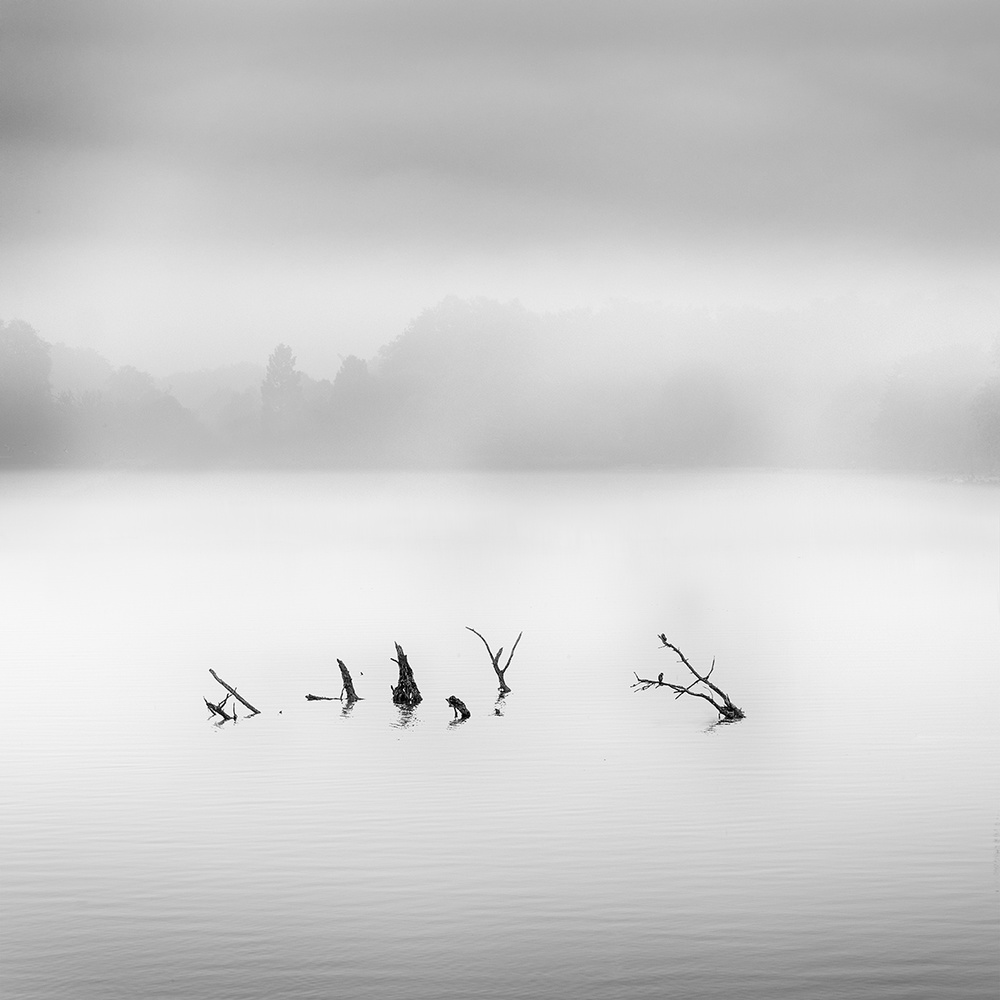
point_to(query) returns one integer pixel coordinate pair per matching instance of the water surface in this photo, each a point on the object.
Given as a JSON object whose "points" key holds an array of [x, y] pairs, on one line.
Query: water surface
{"points": [[588, 841]]}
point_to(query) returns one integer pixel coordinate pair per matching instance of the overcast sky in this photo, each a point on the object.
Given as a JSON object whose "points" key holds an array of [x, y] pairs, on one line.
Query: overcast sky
{"points": [[188, 183]]}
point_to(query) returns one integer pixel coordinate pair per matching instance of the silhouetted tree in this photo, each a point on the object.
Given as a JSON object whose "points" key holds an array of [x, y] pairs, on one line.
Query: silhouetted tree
{"points": [[27, 412], [78, 370], [696, 418], [130, 388], [454, 384], [354, 419], [846, 423], [926, 416], [986, 418], [208, 392], [134, 423], [281, 395], [239, 421]]}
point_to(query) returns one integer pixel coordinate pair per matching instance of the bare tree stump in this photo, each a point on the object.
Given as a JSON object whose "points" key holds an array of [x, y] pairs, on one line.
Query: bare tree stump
{"points": [[714, 695], [406, 691], [460, 710], [495, 659]]}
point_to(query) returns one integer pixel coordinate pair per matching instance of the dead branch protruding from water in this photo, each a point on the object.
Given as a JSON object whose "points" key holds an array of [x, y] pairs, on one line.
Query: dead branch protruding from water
{"points": [[406, 691], [495, 659], [714, 695], [461, 712], [232, 691], [348, 688]]}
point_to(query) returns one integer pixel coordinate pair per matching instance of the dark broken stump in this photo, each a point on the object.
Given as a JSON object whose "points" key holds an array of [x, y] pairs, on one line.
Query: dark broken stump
{"points": [[714, 695], [406, 692], [461, 712]]}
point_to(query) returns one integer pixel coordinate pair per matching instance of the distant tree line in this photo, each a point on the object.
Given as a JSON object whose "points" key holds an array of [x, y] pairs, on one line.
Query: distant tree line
{"points": [[127, 420], [487, 385]]}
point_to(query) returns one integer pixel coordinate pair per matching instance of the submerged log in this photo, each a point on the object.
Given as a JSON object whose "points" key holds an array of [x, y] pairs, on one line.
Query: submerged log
{"points": [[232, 691], [495, 659], [406, 691], [320, 697], [348, 688], [460, 710], [714, 695]]}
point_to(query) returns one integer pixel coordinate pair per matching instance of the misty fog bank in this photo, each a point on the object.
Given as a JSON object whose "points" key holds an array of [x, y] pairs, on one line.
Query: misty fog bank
{"points": [[480, 384]]}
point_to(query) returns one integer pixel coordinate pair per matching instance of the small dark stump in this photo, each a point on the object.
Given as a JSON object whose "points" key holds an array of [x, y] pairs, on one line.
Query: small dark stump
{"points": [[461, 712]]}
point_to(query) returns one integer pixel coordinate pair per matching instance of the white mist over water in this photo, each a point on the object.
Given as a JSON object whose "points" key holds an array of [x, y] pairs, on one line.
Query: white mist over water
{"points": [[589, 841]]}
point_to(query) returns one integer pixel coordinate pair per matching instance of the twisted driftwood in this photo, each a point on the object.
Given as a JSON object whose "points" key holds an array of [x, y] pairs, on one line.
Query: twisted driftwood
{"points": [[406, 691], [715, 696], [220, 710], [495, 659], [460, 710]]}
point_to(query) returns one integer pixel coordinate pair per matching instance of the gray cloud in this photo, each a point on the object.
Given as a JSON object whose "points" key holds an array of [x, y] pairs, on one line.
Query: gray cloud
{"points": [[498, 128], [647, 118]]}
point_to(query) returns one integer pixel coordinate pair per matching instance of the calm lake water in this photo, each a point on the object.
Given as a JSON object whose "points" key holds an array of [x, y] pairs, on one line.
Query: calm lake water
{"points": [[587, 842]]}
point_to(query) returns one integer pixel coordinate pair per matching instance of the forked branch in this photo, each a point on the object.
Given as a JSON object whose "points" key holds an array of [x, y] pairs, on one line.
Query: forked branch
{"points": [[495, 659], [710, 692]]}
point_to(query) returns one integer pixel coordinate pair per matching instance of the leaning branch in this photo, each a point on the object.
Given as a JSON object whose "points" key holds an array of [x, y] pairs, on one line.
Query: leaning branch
{"points": [[714, 695], [348, 688], [669, 645], [232, 691]]}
